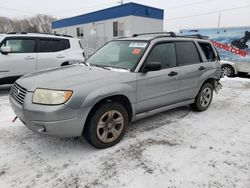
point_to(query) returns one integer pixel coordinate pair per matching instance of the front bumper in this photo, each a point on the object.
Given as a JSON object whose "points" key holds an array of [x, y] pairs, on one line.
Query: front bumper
{"points": [[59, 120]]}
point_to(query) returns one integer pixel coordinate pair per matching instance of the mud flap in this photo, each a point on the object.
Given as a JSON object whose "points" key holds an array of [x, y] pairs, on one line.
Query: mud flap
{"points": [[217, 87]]}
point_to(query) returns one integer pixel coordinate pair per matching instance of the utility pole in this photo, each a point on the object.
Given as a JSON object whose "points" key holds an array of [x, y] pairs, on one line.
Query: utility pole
{"points": [[219, 21]]}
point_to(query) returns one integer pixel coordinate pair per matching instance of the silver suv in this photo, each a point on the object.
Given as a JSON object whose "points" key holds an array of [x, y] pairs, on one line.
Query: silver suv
{"points": [[22, 53], [126, 80]]}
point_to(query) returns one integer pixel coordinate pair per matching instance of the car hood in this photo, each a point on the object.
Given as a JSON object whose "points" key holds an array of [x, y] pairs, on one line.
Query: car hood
{"points": [[68, 77]]}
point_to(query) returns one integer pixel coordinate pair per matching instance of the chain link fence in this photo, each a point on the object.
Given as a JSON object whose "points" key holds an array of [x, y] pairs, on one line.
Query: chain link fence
{"points": [[91, 44]]}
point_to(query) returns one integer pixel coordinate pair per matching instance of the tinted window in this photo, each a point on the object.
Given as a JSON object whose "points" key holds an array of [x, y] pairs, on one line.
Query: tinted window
{"points": [[20, 45], [65, 44], [164, 53], [187, 53], [207, 50], [49, 45]]}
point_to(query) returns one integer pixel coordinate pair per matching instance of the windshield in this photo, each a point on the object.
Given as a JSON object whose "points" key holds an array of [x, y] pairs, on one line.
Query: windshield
{"points": [[119, 54]]}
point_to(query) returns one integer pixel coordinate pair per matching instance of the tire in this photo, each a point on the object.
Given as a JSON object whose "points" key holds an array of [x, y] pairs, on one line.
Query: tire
{"points": [[227, 70], [204, 98], [106, 125]]}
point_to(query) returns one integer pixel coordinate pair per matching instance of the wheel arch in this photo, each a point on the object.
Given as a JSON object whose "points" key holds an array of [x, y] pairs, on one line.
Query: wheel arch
{"points": [[119, 98], [231, 64]]}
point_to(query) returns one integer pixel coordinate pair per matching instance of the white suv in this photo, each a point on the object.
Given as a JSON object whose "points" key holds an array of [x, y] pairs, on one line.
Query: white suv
{"points": [[22, 53]]}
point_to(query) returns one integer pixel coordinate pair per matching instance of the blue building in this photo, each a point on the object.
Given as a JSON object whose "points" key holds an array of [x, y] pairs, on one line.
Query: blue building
{"points": [[107, 24]]}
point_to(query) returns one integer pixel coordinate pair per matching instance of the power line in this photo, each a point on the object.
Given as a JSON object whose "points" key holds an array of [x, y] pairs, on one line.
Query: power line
{"points": [[17, 10], [82, 8], [207, 13], [189, 4]]}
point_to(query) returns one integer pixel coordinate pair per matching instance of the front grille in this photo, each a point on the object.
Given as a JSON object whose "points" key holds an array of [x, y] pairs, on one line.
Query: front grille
{"points": [[18, 93]]}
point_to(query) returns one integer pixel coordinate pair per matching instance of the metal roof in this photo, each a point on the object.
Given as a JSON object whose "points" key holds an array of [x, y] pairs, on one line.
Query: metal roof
{"points": [[129, 9]]}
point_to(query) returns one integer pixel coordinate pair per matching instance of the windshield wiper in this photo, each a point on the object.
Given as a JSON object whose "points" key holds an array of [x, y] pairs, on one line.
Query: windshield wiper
{"points": [[102, 67]]}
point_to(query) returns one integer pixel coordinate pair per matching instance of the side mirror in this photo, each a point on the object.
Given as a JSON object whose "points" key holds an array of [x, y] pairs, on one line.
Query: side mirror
{"points": [[5, 50], [152, 66]]}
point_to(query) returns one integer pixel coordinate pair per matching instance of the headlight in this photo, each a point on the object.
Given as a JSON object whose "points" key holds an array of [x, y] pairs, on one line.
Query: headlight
{"points": [[51, 97]]}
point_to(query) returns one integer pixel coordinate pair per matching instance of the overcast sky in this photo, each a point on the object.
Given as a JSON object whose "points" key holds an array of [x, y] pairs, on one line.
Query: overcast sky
{"points": [[179, 14]]}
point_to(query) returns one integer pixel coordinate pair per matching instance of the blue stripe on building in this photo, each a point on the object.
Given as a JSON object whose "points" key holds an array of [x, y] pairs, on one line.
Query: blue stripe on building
{"points": [[129, 9]]}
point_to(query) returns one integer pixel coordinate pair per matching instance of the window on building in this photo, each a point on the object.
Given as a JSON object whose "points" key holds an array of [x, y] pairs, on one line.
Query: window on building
{"points": [[78, 32], [115, 29], [118, 29], [187, 53], [121, 29]]}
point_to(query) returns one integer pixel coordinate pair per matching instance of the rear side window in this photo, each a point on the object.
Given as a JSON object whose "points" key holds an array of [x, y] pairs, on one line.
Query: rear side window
{"points": [[208, 51], [163, 53], [187, 53], [49, 45], [65, 44], [20, 45]]}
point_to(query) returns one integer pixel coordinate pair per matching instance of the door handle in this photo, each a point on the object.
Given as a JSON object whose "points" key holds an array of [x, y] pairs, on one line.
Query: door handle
{"points": [[172, 73], [60, 56], [29, 57], [202, 68]]}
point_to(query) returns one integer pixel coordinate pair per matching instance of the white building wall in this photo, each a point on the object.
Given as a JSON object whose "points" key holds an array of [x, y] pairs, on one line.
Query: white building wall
{"points": [[146, 25], [98, 33]]}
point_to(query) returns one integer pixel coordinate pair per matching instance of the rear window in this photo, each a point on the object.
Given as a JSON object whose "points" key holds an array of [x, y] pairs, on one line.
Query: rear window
{"points": [[187, 53], [207, 50]]}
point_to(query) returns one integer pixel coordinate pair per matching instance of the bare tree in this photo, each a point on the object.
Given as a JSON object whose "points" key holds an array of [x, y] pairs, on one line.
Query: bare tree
{"points": [[42, 22], [38, 23], [6, 25]]}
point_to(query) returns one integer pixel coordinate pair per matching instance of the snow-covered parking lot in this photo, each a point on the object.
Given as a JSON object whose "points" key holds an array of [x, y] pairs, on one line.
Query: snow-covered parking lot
{"points": [[178, 148]]}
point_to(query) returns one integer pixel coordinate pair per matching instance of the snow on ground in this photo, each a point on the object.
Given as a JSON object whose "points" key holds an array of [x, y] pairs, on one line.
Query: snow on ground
{"points": [[178, 148]]}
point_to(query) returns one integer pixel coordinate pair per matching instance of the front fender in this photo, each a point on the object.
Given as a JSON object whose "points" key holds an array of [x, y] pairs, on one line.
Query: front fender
{"points": [[107, 91], [104, 92]]}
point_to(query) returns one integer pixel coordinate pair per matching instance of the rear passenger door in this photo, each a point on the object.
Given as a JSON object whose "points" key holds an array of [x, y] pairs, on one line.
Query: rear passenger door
{"points": [[191, 69], [157, 89], [51, 53]]}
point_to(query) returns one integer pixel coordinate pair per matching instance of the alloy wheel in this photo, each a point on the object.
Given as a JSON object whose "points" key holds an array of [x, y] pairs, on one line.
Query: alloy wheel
{"points": [[205, 97], [110, 126]]}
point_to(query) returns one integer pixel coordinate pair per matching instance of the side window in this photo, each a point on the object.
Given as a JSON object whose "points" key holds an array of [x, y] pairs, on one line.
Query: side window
{"points": [[187, 53], [163, 53], [49, 45], [207, 50], [20, 45], [65, 44]]}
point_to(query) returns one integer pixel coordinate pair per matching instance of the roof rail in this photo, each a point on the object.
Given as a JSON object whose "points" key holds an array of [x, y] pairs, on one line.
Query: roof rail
{"points": [[24, 33], [11, 33], [199, 36], [172, 34]]}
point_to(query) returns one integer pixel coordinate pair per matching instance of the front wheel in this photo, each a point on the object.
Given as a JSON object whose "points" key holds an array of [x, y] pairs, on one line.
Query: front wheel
{"points": [[204, 98], [107, 125]]}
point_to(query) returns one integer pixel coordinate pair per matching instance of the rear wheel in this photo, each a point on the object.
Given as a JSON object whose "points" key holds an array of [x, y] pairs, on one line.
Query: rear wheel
{"points": [[227, 70], [204, 98], [107, 125]]}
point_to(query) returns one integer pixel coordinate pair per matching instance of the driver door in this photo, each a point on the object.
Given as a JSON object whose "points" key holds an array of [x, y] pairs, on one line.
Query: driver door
{"points": [[22, 58], [157, 89]]}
